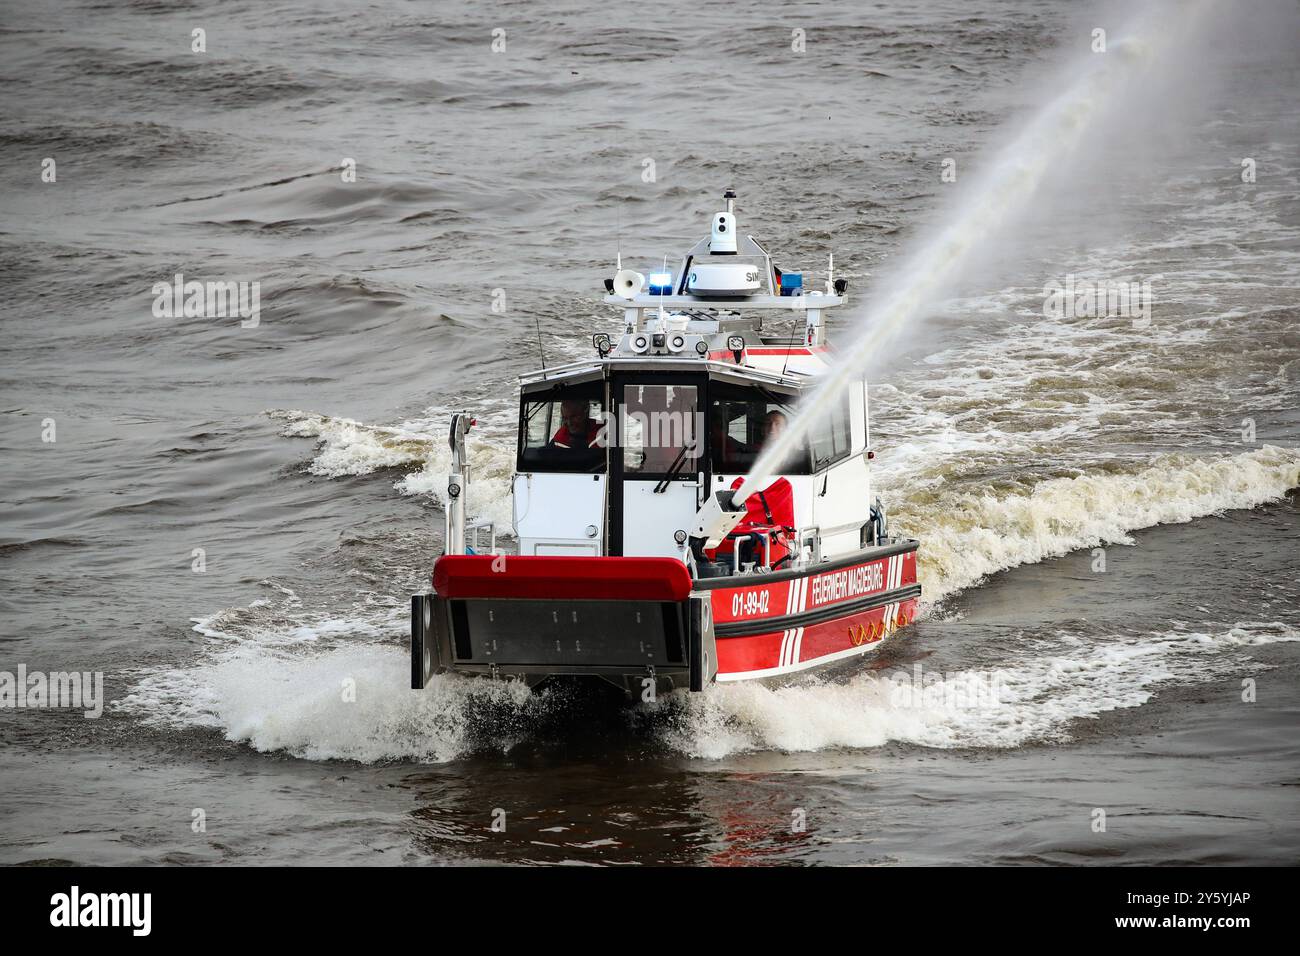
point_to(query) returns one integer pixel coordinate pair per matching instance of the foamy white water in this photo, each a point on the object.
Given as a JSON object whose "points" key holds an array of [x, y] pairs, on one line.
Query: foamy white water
{"points": [[325, 690], [347, 700], [347, 447], [969, 534], [1038, 695]]}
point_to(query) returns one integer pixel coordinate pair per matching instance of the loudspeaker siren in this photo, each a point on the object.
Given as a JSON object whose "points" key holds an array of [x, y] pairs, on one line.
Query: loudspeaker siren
{"points": [[628, 283]]}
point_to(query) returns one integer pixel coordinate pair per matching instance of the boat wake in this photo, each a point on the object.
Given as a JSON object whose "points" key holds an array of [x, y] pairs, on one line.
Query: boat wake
{"points": [[319, 686], [1034, 698], [325, 692], [279, 677], [322, 688], [417, 448], [968, 534]]}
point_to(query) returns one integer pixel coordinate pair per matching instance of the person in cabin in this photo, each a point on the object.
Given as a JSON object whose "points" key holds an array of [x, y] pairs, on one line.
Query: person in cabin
{"points": [[577, 428], [774, 423], [773, 427]]}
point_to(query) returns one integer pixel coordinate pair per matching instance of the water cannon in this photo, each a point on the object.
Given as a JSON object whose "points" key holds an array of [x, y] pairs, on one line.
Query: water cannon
{"points": [[716, 519]]}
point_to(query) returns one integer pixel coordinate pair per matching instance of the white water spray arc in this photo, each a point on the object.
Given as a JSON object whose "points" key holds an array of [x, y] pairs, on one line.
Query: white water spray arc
{"points": [[1154, 41]]}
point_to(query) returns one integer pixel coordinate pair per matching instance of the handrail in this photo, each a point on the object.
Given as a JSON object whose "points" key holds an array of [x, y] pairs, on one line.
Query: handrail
{"points": [[476, 527], [815, 533], [735, 553], [795, 303]]}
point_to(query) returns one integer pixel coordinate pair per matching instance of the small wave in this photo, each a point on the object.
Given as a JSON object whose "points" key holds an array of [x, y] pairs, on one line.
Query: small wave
{"points": [[243, 189], [18, 547], [347, 447]]}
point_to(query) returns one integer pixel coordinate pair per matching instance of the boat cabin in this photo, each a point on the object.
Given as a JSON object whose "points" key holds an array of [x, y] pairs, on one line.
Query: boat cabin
{"points": [[617, 455]]}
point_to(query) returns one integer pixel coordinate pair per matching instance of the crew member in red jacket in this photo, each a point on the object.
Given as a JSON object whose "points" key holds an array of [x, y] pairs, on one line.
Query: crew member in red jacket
{"points": [[578, 428]]}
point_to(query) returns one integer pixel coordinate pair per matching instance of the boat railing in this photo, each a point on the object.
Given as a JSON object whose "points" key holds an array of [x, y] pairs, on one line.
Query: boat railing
{"points": [[811, 538], [809, 301], [491, 529], [767, 550]]}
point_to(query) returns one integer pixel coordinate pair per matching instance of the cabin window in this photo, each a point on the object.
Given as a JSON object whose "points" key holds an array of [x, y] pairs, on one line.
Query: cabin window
{"points": [[660, 429], [831, 437], [563, 430], [742, 421]]}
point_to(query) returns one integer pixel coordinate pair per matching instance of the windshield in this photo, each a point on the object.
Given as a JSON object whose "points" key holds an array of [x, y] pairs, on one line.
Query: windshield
{"points": [[660, 429], [741, 423], [563, 431]]}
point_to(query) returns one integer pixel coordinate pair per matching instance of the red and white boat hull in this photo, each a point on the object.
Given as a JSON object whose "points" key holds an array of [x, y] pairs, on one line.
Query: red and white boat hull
{"points": [[812, 619], [642, 621]]}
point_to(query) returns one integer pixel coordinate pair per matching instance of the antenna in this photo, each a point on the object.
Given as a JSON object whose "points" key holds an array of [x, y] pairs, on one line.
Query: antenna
{"points": [[790, 347], [830, 272], [540, 351], [662, 318]]}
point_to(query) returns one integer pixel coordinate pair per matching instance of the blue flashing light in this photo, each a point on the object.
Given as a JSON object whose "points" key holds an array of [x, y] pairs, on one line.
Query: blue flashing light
{"points": [[660, 283]]}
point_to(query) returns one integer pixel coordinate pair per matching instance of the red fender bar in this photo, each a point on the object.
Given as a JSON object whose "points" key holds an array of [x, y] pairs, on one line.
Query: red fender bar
{"points": [[539, 577]]}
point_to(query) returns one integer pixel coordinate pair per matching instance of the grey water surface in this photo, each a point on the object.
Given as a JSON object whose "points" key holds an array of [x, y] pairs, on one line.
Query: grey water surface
{"points": [[1108, 513]]}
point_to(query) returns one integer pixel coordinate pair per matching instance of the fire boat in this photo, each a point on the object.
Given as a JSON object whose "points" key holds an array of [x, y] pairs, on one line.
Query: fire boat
{"points": [[637, 563]]}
